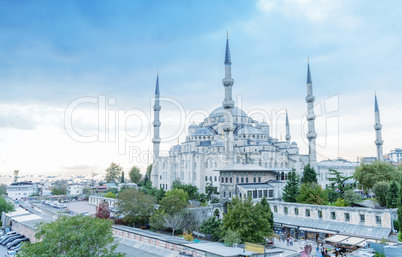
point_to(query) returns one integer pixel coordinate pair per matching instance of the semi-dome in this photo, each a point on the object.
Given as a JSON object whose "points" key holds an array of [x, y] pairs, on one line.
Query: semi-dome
{"points": [[250, 131], [203, 132], [220, 112]]}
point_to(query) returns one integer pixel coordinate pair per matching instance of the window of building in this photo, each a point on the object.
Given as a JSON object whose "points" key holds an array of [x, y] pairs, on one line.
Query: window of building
{"points": [[308, 213], [275, 208], [347, 217], [249, 194], [246, 179], [285, 210], [362, 218], [242, 180], [215, 178], [378, 220], [296, 211], [210, 178], [224, 194], [230, 179], [271, 193], [254, 193], [222, 180], [230, 194], [255, 179], [226, 179], [259, 193], [237, 180], [320, 214], [333, 215], [259, 179], [265, 193], [160, 176], [206, 178]]}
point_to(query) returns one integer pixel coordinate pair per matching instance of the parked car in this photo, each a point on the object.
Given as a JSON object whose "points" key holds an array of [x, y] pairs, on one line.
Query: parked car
{"points": [[17, 247], [8, 234], [12, 238], [16, 242], [11, 253]]}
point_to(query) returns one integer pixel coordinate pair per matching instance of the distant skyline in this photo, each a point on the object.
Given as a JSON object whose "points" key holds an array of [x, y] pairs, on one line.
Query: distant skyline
{"points": [[71, 71]]}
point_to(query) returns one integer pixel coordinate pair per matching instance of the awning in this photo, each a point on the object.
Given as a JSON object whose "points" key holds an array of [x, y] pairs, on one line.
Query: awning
{"points": [[353, 240], [336, 238], [288, 226], [317, 230]]}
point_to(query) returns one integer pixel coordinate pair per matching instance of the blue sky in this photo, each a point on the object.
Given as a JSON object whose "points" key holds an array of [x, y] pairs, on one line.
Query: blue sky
{"points": [[52, 53]]}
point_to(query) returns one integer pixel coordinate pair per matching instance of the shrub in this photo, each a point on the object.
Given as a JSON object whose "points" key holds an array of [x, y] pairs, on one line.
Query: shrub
{"points": [[188, 236]]}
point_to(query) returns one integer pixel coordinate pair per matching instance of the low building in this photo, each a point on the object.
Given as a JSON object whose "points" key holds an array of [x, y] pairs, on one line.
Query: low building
{"points": [[346, 168], [75, 189], [19, 190], [244, 180], [395, 156], [314, 221], [95, 200]]}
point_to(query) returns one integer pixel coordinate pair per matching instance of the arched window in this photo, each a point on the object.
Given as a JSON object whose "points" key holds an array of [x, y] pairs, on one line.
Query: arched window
{"points": [[282, 176]]}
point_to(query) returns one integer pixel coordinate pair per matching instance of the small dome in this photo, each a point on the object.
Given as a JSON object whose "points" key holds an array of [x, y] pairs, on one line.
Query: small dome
{"points": [[193, 126], [264, 124], [294, 144], [249, 131], [203, 132], [175, 148]]}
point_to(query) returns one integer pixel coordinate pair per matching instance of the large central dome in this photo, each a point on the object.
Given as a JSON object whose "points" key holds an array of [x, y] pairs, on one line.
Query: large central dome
{"points": [[220, 112]]}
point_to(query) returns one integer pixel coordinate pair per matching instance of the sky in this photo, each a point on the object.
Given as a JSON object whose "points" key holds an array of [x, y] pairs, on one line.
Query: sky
{"points": [[77, 78]]}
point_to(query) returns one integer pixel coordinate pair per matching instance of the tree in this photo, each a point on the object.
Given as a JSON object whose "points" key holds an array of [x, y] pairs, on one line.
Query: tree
{"points": [[291, 189], [380, 190], [309, 174], [400, 208], [110, 195], [135, 205], [232, 237], [174, 221], [351, 197], [192, 191], [16, 175], [210, 190], [267, 208], [332, 194], [392, 195], [6, 205], [122, 177], [157, 220], [175, 201], [193, 219], [312, 194], [212, 226], [59, 187], [113, 173], [249, 220], [339, 182], [368, 174], [135, 174], [73, 236], [149, 170]]}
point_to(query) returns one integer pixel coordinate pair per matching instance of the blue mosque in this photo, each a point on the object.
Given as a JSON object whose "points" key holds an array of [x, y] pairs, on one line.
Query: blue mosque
{"points": [[232, 151]]}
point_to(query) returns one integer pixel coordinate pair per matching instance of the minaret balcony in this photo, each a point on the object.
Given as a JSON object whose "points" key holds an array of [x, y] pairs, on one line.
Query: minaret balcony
{"points": [[377, 126], [310, 116], [228, 104], [157, 107], [379, 142], [156, 140], [311, 135], [310, 99], [227, 82], [156, 124]]}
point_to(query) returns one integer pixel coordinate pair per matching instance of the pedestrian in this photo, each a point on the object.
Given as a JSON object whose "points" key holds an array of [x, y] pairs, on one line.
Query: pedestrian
{"points": [[287, 241], [291, 241]]}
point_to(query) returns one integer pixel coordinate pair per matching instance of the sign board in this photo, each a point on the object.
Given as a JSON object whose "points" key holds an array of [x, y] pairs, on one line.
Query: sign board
{"points": [[254, 248]]}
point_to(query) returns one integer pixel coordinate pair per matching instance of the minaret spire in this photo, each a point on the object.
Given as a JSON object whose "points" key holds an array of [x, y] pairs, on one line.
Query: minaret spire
{"points": [[288, 137], [311, 134], [378, 128], [156, 139], [228, 105]]}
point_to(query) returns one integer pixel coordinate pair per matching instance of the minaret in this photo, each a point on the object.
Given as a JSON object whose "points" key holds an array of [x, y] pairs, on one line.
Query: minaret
{"points": [[288, 137], [228, 105], [378, 127], [156, 140], [311, 134]]}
